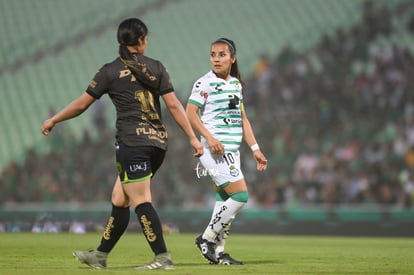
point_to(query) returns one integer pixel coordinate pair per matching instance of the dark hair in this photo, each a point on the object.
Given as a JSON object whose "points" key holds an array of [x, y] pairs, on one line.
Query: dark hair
{"points": [[234, 71], [128, 33]]}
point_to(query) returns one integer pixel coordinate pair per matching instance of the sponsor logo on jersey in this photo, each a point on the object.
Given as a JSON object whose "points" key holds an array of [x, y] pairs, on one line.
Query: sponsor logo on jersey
{"points": [[233, 112], [152, 133], [232, 121]]}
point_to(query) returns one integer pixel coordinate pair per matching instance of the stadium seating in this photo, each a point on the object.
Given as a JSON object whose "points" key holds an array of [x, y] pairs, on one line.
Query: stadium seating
{"points": [[33, 26], [180, 33], [34, 85]]}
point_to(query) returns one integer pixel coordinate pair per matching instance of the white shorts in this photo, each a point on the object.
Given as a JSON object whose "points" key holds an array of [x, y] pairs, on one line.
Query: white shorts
{"points": [[222, 169]]}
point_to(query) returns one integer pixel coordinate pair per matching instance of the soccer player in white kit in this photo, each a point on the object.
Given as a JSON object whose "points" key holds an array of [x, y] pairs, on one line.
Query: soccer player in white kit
{"points": [[215, 110]]}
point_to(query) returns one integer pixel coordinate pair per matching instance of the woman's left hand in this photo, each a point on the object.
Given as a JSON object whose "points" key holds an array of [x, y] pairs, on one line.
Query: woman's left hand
{"points": [[260, 160]]}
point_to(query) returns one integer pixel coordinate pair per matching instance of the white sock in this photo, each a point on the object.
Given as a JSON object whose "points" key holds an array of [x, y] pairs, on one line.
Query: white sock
{"points": [[222, 217], [221, 238]]}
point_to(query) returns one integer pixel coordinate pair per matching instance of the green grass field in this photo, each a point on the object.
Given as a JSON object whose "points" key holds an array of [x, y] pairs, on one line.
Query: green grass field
{"points": [[27, 253]]}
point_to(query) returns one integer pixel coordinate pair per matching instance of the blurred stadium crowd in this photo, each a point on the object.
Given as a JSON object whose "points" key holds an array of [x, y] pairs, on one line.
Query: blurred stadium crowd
{"points": [[336, 123]]}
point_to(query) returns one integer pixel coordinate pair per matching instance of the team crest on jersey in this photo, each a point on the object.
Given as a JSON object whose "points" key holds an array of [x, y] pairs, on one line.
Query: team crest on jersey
{"points": [[234, 171], [237, 83]]}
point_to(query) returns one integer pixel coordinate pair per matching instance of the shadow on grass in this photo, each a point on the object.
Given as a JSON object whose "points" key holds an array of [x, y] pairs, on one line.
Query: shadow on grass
{"points": [[201, 265]]}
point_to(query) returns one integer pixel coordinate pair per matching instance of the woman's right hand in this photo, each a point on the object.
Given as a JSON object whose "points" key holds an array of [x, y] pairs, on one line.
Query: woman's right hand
{"points": [[197, 146], [47, 126], [216, 147]]}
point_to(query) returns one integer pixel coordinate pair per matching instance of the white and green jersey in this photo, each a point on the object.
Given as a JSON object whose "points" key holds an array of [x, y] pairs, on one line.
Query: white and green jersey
{"points": [[220, 104]]}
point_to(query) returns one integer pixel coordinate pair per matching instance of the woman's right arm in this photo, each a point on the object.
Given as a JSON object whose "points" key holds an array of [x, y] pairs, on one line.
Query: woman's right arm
{"points": [[73, 109], [215, 145], [177, 111]]}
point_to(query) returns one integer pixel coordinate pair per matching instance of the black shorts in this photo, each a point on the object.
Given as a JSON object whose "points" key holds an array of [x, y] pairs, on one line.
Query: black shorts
{"points": [[136, 163]]}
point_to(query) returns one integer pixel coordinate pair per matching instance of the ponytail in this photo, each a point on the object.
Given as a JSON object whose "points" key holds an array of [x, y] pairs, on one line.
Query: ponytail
{"points": [[123, 51], [129, 31]]}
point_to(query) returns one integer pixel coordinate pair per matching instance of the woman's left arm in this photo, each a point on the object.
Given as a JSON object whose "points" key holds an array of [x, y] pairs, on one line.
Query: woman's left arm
{"points": [[250, 139], [73, 109]]}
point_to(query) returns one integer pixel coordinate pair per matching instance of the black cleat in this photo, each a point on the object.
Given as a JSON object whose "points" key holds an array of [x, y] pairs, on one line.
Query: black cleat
{"points": [[208, 249], [226, 259]]}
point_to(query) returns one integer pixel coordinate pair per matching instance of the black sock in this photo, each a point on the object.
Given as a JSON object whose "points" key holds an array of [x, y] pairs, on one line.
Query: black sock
{"points": [[151, 227], [116, 226]]}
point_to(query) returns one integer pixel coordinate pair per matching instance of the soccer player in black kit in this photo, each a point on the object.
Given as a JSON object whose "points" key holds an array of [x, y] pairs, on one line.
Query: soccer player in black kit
{"points": [[134, 83]]}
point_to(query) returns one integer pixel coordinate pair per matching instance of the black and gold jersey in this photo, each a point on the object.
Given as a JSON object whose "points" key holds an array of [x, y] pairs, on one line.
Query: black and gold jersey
{"points": [[138, 110]]}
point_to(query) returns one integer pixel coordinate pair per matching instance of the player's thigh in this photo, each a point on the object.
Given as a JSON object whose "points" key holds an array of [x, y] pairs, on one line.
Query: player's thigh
{"points": [[138, 191], [119, 198], [235, 187]]}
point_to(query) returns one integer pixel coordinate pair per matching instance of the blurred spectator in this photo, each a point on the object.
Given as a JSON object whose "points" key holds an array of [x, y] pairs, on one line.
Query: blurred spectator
{"points": [[99, 117], [77, 227], [264, 81]]}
